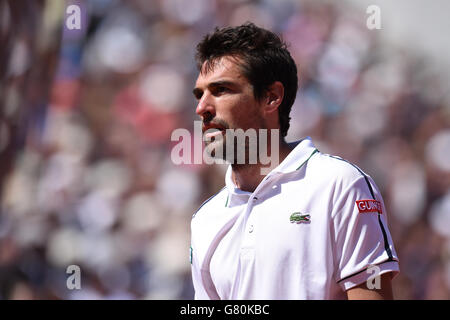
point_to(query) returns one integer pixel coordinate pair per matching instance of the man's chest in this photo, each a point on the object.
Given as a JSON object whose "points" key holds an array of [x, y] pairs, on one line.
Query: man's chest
{"points": [[269, 233]]}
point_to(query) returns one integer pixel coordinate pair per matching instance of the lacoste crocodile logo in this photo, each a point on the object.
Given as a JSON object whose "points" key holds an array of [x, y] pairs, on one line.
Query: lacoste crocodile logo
{"points": [[298, 217]]}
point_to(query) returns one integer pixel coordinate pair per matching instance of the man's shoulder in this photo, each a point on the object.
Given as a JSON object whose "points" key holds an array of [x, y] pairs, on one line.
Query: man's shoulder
{"points": [[331, 167], [219, 198], [337, 179]]}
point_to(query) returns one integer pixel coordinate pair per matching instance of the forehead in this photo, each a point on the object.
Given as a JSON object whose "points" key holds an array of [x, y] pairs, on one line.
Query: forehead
{"points": [[224, 68]]}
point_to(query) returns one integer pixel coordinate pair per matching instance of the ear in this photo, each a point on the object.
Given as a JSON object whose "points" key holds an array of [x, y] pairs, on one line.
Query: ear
{"points": [[274, 97]]}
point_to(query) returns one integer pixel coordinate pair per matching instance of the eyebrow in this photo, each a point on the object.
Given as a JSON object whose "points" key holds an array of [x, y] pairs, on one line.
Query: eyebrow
{"points": [[198, 91]]}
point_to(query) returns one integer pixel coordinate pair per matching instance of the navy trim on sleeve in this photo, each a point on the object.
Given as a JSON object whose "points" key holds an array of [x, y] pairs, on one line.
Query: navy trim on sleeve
{"points": [[356, 273], [383, 231]]}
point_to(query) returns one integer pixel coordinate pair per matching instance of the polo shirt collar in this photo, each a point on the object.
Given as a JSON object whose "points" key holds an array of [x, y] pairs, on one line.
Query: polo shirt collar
{"points": [[303, 150], [297, 157]]}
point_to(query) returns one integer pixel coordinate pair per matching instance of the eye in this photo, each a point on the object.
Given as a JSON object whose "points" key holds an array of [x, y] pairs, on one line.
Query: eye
{"points": [[198, 94], [220, 89]]}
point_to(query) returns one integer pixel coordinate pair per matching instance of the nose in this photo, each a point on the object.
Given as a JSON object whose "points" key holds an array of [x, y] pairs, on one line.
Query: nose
{"points": [[205, 105]]}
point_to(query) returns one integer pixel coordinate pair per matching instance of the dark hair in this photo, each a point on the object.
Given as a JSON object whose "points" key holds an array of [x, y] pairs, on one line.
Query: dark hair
{"points": [[265, 60]]}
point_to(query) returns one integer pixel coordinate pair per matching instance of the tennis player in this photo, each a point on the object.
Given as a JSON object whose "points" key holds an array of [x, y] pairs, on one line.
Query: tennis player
{"points": [[315, 226]]}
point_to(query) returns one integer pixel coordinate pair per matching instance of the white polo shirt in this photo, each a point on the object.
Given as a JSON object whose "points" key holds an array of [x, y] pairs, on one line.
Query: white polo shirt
{"points": [[313, 228]]}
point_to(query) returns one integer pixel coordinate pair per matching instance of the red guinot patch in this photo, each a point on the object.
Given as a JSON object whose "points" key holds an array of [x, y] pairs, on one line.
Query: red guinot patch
{"points": [[365, 206]]}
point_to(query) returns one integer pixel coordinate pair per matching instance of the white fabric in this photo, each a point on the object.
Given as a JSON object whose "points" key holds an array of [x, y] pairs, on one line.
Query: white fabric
{"points": [[244, 245]]}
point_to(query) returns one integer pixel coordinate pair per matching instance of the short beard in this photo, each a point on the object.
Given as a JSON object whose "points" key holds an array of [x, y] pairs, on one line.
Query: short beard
{"points": [[244, 148]]}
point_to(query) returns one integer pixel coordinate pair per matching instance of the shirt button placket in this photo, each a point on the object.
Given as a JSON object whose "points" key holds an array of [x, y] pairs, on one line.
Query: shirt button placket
{"points": [[250, 223], [248, 241]]}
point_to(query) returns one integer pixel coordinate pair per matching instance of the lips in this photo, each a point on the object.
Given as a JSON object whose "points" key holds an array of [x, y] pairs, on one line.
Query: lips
{"points": [[212, 126], [213, 130]]}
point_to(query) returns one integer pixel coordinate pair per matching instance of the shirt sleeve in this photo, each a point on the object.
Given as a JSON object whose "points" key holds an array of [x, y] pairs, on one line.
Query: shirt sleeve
{"points": [[363, 245]]}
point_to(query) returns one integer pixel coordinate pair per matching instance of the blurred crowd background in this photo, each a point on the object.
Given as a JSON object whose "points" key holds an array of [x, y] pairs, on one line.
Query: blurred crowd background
{"points": [[86, 118]]}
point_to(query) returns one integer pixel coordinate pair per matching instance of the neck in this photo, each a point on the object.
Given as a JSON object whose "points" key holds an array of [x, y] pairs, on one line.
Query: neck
{"points": [[248, 176]]}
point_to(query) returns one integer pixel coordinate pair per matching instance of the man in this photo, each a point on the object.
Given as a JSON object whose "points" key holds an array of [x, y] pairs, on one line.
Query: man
{"points": [[315, 226]]}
